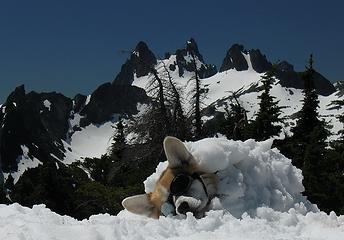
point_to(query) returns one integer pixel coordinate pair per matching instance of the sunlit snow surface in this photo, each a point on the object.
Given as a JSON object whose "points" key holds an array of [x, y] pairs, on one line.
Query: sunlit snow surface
{"points": [[39, 223], [259, 196], [91, 141], [251, 175]]}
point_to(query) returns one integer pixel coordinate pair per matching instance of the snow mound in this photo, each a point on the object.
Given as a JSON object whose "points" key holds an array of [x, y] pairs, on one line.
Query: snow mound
{"points": [[39, 223], [251, 174]]}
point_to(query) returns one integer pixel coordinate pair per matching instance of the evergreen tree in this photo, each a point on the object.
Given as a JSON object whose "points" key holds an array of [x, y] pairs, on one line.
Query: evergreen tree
{"points": [[308, 120], [308, 116], [268, 116]]}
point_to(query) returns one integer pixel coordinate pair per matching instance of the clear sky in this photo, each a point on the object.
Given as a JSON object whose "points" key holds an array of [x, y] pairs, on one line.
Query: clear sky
{"points": [[73, 46]]}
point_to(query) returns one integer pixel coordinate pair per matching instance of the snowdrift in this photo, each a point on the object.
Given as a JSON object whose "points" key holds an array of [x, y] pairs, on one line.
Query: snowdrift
{"points": [[251, 175], [39, 223], [259, 198]]}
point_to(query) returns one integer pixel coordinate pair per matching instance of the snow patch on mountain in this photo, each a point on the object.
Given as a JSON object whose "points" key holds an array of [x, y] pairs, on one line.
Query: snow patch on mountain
{"points": [[25, 162], [47, 104], [91, 141]]}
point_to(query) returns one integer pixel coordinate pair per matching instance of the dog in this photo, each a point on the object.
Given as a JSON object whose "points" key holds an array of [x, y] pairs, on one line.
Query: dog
{"points": [[183, 186]]}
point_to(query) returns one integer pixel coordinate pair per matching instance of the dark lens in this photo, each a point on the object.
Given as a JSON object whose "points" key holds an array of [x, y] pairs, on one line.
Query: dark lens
{"points": [[180, 184]]}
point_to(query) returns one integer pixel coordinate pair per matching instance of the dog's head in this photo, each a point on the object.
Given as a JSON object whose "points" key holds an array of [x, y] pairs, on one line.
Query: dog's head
{"points": [[182, 185]]}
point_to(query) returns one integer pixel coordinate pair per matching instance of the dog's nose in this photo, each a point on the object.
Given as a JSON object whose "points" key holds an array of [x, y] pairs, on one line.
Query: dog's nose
{"points": [[183, 208]]}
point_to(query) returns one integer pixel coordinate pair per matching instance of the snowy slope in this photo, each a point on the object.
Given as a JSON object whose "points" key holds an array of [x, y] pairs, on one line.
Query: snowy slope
{"points": [[220, 86], [223, 84], [256, 181], [91, 141]]}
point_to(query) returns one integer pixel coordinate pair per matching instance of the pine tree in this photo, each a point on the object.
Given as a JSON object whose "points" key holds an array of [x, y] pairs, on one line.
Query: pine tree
{"points": [[308, 120], [309, 117], [119, 139], [268, 116]]}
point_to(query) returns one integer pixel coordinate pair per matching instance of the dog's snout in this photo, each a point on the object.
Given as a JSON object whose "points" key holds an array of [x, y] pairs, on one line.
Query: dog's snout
{"points": [[183, 208]]}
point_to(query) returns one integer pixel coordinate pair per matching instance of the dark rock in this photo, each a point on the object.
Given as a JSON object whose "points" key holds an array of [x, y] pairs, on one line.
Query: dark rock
{"points": [[126, 75], [291, 79], [234, 59], [143, 59], [172, 67], [140, 62], [17, 96], [185, 64], [79, 102], [29, 122], [109, 99], [259, 62]]}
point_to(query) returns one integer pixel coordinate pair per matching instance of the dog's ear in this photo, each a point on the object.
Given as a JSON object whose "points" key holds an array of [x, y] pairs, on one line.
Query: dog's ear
{"points": [[176, 153], [139, 204]]}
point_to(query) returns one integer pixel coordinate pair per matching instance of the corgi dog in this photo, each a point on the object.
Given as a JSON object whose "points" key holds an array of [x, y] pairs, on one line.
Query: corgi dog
{"points": [[183, 187]]}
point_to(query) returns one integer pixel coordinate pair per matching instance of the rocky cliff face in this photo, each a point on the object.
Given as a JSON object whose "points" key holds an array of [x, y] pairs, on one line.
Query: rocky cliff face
{"points": [[237, 58], [36, 121], [139, 63], [39, 122], [108, 99], [184, 63], [291, 79]]}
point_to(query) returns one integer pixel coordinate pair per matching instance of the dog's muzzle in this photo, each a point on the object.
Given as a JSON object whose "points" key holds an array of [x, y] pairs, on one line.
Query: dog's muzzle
{"points": [[181, 185]]}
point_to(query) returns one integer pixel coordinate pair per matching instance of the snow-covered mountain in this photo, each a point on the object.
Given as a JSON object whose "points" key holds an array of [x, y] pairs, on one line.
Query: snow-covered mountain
{"points": [[40, 127]]}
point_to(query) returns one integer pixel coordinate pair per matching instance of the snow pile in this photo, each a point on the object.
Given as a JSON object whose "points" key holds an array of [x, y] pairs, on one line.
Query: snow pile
{"points": [[251, 175], [39, 223]]}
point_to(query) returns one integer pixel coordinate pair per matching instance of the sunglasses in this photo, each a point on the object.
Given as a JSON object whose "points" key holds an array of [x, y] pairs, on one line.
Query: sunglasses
{"points": [[180, 184]]}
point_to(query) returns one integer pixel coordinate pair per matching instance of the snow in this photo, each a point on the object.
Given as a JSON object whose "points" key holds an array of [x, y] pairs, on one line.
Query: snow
{"points": [[253, 177], [47, 104], [223, 84], [24, 163], [88, 99], [39, 223], [91, 141]]}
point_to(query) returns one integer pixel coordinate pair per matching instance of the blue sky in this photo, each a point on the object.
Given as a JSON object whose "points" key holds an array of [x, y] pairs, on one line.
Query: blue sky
{"points": [[74, 46]]}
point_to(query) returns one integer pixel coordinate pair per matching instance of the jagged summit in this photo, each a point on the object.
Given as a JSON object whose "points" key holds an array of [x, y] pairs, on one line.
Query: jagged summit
{"points": [[238, 58], [139, 62], [184, 63]]}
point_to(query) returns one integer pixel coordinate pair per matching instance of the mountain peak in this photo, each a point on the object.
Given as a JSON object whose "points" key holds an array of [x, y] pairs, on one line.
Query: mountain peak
{"points": [[236, 59], [139, 62], [17, 96], [191, 46], [184, 64]]}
